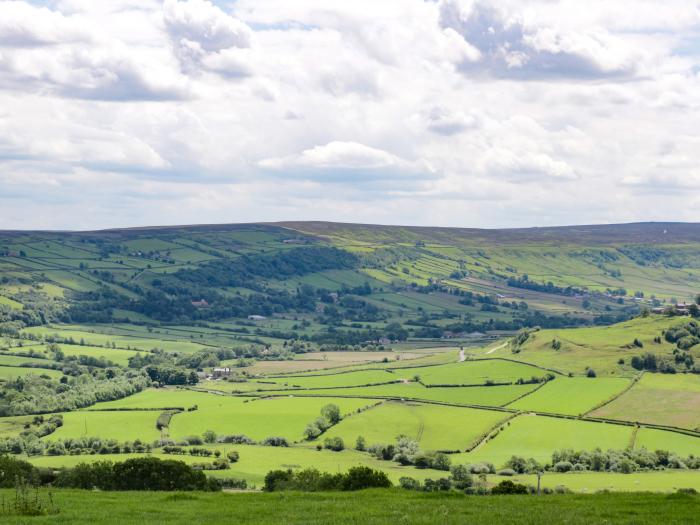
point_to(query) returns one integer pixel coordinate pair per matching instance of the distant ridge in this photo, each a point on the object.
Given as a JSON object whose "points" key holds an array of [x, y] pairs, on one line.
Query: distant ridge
{"points": [[632, 233]]}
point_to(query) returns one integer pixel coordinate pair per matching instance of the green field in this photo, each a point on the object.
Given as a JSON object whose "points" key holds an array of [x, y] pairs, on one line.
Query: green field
{"points": [[476, 372], [571, 395], [255, 417], [494, 396], [9, 373], [681, 444], [537, 437], [365, 377], [122, 426], [665, 399], [599, 348], [434, 427]]}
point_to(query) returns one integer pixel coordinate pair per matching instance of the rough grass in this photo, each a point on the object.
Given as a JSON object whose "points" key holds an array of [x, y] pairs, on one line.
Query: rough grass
{"points": [[571, 395], [599, 348], [378, 506]]}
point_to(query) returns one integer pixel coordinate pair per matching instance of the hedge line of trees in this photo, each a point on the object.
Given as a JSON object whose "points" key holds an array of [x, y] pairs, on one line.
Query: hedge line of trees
{"points": [[624, 461]]}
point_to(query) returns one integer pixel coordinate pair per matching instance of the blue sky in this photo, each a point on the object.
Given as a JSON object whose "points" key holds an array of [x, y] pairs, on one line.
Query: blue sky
{"points": [[447, 112]]}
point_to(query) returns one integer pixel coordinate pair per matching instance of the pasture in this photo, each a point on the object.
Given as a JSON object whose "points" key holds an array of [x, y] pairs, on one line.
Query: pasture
{"points": [[599, 348], [653, 439], [434, 427], [476, 372], [10, 373], [538, 436], [119, 425], [665, 399], [493, 396], [571, 395]]}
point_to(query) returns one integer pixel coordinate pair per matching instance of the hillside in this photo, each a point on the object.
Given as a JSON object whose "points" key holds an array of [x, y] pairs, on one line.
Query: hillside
{"points": [[359, 279]]}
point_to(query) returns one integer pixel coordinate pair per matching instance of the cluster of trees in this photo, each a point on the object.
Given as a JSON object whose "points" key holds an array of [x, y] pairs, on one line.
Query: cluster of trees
{"points": [[135, 474], [624, 461], [40, 395], [311, 480], [548, 287]]}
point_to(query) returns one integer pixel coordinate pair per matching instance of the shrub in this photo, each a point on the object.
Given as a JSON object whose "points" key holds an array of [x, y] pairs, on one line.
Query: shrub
{"points": [[409, 483], [334, 443], [331, 412], [275, 441], [12, 469], [360, 444], [507, 472], [209, 436], [233, 456], [509, 487], [563, 466]]}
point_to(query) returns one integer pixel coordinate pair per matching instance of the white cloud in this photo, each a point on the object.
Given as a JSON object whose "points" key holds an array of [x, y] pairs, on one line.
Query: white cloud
{"points": [[461, 112], [203, 35]]}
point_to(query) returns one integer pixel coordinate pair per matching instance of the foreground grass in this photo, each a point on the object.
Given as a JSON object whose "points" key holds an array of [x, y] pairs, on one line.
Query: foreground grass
{"points": [[372, 506]]}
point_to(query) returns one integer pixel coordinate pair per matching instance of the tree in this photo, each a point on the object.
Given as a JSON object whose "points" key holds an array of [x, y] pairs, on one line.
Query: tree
{"points": [[209, 436], [331, 412], [360, 444], [334, 443]]}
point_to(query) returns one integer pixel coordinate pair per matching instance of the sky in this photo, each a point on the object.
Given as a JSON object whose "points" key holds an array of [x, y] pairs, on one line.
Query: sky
{"points": [[468, 113]]}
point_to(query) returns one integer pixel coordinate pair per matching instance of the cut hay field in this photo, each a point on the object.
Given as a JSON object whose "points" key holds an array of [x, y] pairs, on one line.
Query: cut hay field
{"points": [[665, 399], [434, 427], [537, 437], [571, 395], [365, 377]]}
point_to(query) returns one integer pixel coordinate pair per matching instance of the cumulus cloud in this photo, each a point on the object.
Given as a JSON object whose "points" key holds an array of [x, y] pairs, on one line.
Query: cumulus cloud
{"points": [[343, 161], [459, 112], [510, 48], [203, 35], [22, 25]]}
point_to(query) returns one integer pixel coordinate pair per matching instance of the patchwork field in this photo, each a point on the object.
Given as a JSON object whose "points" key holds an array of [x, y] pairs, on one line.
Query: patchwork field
{"points": [[665, 399]]}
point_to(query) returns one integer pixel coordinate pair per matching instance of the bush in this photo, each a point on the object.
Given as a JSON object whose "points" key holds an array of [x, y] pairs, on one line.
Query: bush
{"points": [[409, 483], [507, 472], [233, 456], [275, 441], [508, 487], [209, 436], [12, 469], [334, 443], [563, 466], [360, 444]]}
